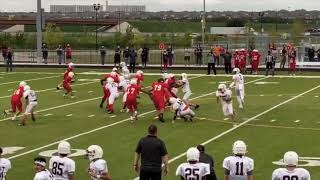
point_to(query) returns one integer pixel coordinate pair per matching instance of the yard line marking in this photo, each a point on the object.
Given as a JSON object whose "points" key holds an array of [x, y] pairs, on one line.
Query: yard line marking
{"points": [[100, 128], [90, 92], [69, 115], [297, 121], [246, 122], [113, 116], [49, 89], [90, 116], [46, 115], [273, 120], [9, 90], [28, 80], [261, 95], [316, 96]]}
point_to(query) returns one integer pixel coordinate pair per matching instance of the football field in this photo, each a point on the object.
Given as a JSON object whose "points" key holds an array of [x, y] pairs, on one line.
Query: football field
{"points": [[281, 114]]}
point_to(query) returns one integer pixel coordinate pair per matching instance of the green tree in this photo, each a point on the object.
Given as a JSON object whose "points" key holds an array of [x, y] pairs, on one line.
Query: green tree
{"points": [[138, 40], [53, 35]]}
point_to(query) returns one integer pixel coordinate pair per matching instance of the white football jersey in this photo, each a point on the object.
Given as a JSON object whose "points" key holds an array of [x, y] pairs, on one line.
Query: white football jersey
{"points": [[113, 88], [99, 167], [31, 94], [125, 71], [186, 85], [193, 171], [179, 105], [5, 166], [296, 174], [61, 167], [239, 81], [124, 84], [238, 167], [226, 96], [43, 175]]}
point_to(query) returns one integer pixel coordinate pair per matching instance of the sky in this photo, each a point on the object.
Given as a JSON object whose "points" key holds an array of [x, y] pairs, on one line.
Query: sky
{"points": [[175, 5]]}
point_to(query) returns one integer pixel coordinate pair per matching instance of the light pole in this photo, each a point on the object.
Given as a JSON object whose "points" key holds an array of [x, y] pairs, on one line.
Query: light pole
{"points": [[261, 14], [203, 22], [96, 8]]}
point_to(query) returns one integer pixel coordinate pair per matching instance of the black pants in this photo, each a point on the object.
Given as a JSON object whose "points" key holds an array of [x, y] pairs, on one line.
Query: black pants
{"points": [[132, 67], [9, 65], [269, 67], [199, 60], [103, 59], [145, 175], [213, 66], [227, 67], [144, 63]]}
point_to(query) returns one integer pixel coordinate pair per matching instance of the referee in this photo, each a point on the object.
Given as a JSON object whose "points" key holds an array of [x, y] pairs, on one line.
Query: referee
{"points": [[152, 152]]}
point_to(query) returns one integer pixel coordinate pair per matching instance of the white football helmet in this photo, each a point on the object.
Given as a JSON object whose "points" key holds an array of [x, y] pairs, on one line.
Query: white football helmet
{"points": [[140, 72], [255, 50], [193, 154], [110, 80], [184, 76], [26, 88], [122, 64], [236, 70], [222, 87], [113, 74], [237, 50], [121, 78], [71, 74], [94, 152], [70, 65], [114, 69], [64, 148], [173, 100], [165, 75], [133, 81], [239, 148], [22, 84], [291, 158]]}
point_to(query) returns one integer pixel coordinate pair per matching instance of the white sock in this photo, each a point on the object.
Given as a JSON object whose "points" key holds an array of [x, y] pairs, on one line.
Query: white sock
{"points": [[239, 101]]}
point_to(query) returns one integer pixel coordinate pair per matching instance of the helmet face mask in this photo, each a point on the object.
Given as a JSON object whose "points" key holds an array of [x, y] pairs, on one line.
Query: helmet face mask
{"points": [[222, 88], [22, 84], [236, 70], [94, 152], [26, 88]]}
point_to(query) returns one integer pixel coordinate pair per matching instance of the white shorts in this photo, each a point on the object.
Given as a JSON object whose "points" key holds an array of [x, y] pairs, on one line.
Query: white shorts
{"points": [[186, 112], [124, 98], [113, 97], [186, 95], [227, 109], [240, 93], [30, 107]]}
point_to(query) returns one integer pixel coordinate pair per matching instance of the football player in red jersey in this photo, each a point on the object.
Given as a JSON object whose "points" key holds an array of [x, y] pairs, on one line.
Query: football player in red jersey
{"points": [[65, 74], [133, 91], [16, 100], [67, 85], [255, 61], [158, 91], [140, 77], [172, 86]]}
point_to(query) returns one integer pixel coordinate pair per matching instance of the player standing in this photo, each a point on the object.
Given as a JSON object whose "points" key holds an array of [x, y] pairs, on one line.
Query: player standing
{"points": [[238, 166], [291, 172], [186, 90], [62, 167], [41, 172], [5, 166], [31, 101], [158, 91], [67, 85], [123, 86], [114, 94], [225, 95], [255, 61], [66, 74], [131, 101], [140, 77], [193, 169], [238, 83], [98, 168]]}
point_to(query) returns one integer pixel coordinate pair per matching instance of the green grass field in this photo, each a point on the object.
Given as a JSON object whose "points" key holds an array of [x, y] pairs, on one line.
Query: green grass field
{"points": [[280, 115]]}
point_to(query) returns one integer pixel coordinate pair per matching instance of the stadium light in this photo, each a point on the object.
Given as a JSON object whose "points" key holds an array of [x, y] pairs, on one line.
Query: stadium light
{"points": [[96, 8]]}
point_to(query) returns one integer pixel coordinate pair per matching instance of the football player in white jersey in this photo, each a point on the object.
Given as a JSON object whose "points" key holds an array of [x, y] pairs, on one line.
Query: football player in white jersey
{"points": [[5, 166], [184, 83], [31, 101], [123, 86], [62, 167], [238, 166], [181, 109], [291, 172], [98, 168], [225, 95], [238, 84], [124, 69], [41, 172], [193, 169], [114, 94]]}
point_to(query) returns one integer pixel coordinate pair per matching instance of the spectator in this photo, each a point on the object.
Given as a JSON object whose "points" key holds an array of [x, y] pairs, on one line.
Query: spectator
{"points": [[152, 152], [45, 53], [318, 54], [144, 56], [60, 53], [187, 56], [311, 54], [198, 54], [206, 158], [217, 53], [132, 60], [68, 51], [170, 55], [165, 61], [212, 62], [9, 59], [227, 62], [283, 57], [4, 50], [103, 53], [117, 57], [126, 53]]}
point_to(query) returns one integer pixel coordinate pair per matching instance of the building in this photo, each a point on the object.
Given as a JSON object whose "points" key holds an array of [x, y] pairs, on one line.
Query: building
{"points": [[72, 8], [125, 8]]}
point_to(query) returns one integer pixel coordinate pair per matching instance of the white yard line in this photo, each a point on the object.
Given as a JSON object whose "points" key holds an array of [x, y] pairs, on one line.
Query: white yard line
{"points": [[94, 130], [28, 80]]}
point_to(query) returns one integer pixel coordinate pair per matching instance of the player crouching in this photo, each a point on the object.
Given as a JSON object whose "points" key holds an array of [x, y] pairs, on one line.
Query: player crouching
{"points": [[193, 169], [225, 95], [67, 84], [291, 171], [31, 101], [98, 168], [181, 109]]}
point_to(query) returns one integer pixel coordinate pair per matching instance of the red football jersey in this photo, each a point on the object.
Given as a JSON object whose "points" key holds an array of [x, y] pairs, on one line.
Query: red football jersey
{"points": [[158, 89], [170, 82], [18, 93], [133, 91], [67, 80], [139, 78], [66, 73]]}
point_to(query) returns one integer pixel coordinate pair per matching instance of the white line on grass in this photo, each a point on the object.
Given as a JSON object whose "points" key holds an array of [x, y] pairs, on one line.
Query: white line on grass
{"points": [[90, 116], [46, 115], [297, 121], [28, 80], [97, 129], [69, 115]]}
